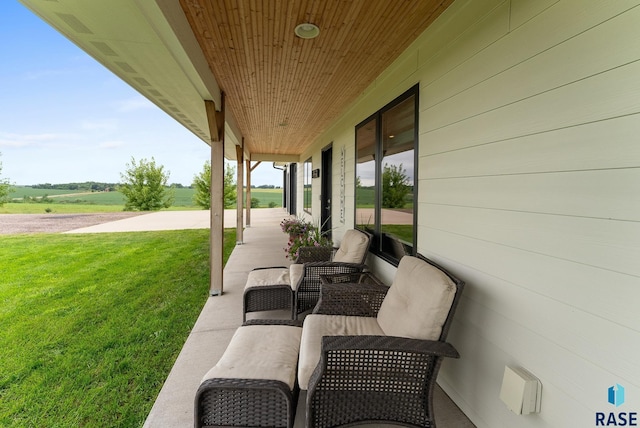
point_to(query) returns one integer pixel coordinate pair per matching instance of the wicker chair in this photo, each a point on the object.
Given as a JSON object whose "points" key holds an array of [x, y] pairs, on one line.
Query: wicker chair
{"points": [[298, 286], [379, 368], [305, 274]]}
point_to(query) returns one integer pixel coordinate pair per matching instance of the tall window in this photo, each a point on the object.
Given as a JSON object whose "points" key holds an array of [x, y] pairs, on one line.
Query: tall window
{"points": [[307, 185], [386, 149]]}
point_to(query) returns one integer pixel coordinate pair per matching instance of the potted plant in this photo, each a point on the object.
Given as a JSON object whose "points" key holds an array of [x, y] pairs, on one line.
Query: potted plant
{"points": [[306, 237], [295, 226]]}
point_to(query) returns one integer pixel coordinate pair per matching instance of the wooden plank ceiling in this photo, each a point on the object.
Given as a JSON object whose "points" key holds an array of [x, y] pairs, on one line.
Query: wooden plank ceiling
{"points": [[283, 90]]}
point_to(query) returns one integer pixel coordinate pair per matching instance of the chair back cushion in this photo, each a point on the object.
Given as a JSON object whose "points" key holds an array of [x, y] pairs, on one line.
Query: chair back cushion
{"points": [[353, 247], [418, 301]]}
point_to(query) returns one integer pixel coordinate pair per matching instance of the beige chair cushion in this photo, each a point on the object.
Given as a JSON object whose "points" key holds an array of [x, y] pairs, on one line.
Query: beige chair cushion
{"points": [[418, 301], [260, 352], [316, 326], [296, 271], [263, 277], [352, 248]]}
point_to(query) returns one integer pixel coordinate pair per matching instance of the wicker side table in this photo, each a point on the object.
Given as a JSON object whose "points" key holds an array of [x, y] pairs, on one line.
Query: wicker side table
{"points": [[357, 294]]}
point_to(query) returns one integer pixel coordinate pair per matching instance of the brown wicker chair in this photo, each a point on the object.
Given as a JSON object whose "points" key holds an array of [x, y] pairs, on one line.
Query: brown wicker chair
{"points": [[298, 286], [349, 258], [367, 374]]}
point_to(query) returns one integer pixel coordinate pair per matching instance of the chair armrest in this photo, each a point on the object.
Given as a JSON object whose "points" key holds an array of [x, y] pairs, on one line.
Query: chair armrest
{"points": [[351, 278], [270, 267], [314, 270], [292, 323], [362, 300], [314, 254]]}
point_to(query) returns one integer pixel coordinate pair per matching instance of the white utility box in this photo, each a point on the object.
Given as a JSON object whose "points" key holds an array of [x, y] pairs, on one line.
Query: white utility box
{"points": [[520, 391]]}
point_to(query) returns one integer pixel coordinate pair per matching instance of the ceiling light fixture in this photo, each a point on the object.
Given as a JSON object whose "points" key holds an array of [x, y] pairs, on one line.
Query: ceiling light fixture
{"points": [[307, 31]]}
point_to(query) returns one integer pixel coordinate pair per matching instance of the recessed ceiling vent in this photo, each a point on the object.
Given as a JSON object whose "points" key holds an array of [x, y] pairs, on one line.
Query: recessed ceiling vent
{"points": [[74, 23], [104, 48]]}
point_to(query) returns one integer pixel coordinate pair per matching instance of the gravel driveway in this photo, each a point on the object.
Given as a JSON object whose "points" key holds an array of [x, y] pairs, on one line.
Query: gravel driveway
{"points": [[55, 223]]}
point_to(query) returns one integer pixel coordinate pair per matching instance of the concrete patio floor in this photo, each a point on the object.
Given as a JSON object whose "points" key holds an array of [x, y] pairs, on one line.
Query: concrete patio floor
{"points": [[222, 315]]}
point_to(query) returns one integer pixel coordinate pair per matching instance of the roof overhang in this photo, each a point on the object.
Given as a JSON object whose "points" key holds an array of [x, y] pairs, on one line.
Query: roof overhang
{"points": [[148, 44], [281, 92]]}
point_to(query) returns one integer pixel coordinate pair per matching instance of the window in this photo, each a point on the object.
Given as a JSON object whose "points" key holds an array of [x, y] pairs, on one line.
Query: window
{"points": [[307, 185], [386, 150]]}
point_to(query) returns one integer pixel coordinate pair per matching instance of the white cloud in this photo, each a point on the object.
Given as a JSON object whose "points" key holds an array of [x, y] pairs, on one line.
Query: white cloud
{"points": [[45, 74], [111, 144], [100, 125], [29, 140]]}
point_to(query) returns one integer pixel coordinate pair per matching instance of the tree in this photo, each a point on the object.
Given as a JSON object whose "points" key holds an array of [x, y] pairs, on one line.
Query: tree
{"points": [[394, 186], [145, 186], [230, 194], [202, 184], [5, 188]]}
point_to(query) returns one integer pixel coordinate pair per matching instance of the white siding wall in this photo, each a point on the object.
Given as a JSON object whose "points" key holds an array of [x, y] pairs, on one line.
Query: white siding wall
{"points": [[529, 190]]}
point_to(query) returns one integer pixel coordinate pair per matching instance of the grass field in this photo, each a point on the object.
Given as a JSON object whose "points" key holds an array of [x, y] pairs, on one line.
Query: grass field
{"points": [[82, 202], [91, 324], [266, 196]]}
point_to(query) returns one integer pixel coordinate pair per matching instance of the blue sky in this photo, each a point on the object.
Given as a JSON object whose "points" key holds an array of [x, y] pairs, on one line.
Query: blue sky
{"points": [[65, 118]]}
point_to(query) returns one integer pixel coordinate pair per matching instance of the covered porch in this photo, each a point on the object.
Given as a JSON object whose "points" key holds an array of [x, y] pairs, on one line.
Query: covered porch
{"points": [[222, 315], [519, 120]]}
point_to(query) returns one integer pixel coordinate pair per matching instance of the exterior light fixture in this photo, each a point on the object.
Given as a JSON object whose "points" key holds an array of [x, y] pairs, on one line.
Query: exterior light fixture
{"points": [[307, 31]]}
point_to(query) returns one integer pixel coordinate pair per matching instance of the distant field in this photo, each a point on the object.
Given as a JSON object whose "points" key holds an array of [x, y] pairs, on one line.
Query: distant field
{"points": [[84, 202], [29, 192], [265, 196], [38, 208]]}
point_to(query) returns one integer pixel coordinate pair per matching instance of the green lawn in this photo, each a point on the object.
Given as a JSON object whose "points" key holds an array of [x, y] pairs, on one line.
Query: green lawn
{"points": [[91, 324]]}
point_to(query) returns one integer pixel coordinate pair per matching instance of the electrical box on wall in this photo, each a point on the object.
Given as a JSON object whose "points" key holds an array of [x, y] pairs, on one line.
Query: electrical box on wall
{"points": [[520, 391]]}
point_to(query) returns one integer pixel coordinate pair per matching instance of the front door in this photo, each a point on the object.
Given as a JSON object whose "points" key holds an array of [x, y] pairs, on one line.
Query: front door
{"points": [[291, 194], [326, 191]]}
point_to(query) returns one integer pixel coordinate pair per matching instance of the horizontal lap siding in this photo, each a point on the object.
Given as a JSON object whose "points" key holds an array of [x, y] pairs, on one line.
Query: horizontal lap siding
{"points": [[529, 189]]}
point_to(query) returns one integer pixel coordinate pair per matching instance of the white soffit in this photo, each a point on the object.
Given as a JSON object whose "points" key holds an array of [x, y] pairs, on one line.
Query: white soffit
{"points": [[149, 45]]}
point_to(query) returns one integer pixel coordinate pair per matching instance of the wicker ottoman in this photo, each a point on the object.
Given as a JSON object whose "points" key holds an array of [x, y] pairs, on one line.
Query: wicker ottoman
{"points": [[267, 289], [254, 382]]}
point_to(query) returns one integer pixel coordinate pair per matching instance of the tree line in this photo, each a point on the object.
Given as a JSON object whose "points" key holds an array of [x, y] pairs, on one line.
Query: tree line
{"points": [[145, 186], [90, 186]]}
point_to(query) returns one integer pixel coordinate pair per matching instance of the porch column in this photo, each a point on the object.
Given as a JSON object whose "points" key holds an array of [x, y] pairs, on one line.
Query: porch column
{"points": [[248, 204], [216, 129], [240, 183]]}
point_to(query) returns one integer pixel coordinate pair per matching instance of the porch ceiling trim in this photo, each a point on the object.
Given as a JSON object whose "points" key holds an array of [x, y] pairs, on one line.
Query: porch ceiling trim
{"points": [[271, 157]]}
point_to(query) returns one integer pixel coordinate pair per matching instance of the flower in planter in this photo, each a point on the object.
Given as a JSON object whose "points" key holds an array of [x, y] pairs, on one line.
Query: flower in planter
{"points": [[302, 234], [295, 226]]}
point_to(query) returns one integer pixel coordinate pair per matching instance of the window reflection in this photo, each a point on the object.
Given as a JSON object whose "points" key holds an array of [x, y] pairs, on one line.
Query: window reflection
{"points": [[398, 135], [366, 176], [385, 176]]}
